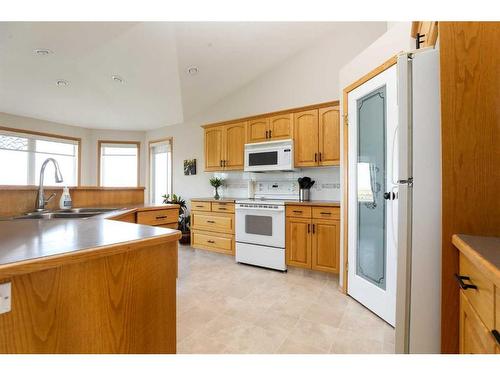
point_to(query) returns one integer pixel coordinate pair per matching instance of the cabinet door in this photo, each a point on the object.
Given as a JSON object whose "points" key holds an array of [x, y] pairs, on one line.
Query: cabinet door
{"points": [[234, 145], [281, 127], [305, 125], [325, 245], [329, 136], [475, 338], [298, 242], [258, 130], [214, 148]]}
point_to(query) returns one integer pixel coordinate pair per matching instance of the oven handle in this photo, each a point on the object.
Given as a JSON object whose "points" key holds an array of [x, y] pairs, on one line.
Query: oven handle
{"points": [[279, 209]]}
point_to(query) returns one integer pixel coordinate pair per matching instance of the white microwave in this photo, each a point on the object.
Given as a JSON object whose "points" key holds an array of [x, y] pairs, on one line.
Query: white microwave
{"points": [[269, 156]]}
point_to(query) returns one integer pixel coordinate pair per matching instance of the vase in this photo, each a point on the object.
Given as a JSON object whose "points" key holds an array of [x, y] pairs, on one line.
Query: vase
{"points": [[217, 196]]}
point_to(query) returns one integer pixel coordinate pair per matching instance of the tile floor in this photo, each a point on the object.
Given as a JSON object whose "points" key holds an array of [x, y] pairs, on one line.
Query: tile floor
{"points": [[225, 307]]}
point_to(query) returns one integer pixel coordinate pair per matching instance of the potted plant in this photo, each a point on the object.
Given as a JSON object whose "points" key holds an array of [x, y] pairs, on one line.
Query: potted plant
{"points": [[216, 182], [184, 218]]}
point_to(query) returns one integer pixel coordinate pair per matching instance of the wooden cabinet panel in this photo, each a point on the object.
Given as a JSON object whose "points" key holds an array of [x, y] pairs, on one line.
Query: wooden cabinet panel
{"points": [[223, 207], [329, 136], [209, 241], [257, 130], [325, 246], [281, 127], [211, 221], [234, 146], [214, 148], [298, 211], [157, 217], [326, 213], [482, 298], [305, 126], [475, 337], [298, 242], [201, 206]]}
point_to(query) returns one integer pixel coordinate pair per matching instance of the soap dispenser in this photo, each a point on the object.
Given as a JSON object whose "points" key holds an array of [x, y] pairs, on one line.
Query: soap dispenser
{"points": [[65, 203]]}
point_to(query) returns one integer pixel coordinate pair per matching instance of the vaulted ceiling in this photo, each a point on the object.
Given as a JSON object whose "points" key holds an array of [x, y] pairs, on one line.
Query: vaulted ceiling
{"points": [[151, 58]]}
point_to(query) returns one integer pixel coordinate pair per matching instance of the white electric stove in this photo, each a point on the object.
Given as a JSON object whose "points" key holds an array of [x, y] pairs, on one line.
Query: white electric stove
{"points": [[260, 224]]}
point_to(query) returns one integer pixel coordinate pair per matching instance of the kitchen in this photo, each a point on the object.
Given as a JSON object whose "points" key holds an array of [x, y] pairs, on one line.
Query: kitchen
{"points": [[256, 179]]}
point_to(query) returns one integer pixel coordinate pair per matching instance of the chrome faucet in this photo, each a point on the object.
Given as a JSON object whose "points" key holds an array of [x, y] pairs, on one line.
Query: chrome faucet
{"points": [[40, 199]]}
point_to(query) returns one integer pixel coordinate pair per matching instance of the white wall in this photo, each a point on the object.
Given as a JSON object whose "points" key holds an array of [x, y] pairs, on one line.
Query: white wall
{"points": [[89, 141], [309, 77], [396, 39]]}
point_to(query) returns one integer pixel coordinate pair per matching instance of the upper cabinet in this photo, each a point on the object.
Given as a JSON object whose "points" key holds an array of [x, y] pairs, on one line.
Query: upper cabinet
{"points": [[271, 128], [224, 147], [258, 130], [315, 130], [317, 137]]}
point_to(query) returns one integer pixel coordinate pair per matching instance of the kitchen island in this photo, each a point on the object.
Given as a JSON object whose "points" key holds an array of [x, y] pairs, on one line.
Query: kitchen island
{"points": [[88, 286]]}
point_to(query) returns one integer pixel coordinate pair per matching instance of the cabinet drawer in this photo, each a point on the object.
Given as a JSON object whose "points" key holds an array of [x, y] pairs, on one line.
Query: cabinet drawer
{"points": [[157, 217], [214, 222], [475, 337], [298, 211], [326, 213], [482, 298], [210, 241], [200, 206], [222, 207]]}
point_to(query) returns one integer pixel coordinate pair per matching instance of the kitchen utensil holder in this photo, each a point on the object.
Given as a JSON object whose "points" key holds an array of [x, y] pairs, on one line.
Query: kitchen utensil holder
{"points": [[304, 194]]}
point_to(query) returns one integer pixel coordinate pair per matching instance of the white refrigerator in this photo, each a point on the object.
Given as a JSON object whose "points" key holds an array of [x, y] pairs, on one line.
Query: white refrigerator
{"points": [[418, 295]]}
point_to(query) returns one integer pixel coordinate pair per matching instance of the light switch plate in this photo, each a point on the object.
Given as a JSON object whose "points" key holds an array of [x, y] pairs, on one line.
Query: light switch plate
{"points": [[5, 298]]}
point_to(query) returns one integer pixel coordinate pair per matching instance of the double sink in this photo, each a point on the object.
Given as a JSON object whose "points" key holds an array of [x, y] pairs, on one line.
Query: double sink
{"points": [[74, 213]]}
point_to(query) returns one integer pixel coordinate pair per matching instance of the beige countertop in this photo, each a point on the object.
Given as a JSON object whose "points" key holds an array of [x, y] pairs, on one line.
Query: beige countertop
{"points": [[291, 202], [29, 240], [483, 252]]}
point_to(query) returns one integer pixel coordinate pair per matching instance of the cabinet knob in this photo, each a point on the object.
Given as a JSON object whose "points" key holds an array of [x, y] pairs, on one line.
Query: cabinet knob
{"points": [[270, 133], [315, 156], [496, 335]]}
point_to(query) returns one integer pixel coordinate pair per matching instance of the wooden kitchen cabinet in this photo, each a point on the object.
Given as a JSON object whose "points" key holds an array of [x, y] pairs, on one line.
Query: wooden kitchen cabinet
{"points": [[258, 130], [329, 136], [214, 148], [325, 245], [224, 147], [317, 137], [281, 127], [311, 242], [298, 242], [306, 139]]}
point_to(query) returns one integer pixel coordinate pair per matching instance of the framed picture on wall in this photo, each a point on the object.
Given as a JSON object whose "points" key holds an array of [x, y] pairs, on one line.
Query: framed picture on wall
{"points": [[190, 167]]}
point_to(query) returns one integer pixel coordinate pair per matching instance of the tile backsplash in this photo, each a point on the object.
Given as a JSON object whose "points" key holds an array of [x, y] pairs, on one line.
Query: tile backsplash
{"points": [[327, 186]]}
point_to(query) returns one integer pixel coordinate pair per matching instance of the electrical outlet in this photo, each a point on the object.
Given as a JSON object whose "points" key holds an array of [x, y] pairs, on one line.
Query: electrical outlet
{"points": [[5, 298]]}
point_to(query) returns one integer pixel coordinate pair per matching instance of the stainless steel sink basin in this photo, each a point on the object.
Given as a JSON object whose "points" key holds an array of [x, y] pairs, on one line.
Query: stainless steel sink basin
{"points": [[73, 213]]}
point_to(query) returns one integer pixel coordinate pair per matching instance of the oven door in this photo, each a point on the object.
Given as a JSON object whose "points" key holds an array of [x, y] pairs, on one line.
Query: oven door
{"points": [[261, 226]]}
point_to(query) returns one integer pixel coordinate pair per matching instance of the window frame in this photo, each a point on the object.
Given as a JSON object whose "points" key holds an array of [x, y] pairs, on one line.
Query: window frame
{"points": [[150, 165], [55, 137], [99, 147]]}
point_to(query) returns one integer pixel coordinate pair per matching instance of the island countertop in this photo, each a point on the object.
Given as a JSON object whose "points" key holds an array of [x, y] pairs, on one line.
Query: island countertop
{"points": [[30, 243]]}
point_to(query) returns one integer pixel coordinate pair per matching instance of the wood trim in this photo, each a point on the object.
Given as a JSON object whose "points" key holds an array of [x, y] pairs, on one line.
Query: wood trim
{"points": [[276, 113], [99, 145], [52, 135], [345, 160], [148, 167], [430, 35], [47, 187]]}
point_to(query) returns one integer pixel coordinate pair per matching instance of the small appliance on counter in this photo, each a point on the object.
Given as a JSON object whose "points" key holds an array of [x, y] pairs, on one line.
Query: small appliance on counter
{"points": [[305, 184]]}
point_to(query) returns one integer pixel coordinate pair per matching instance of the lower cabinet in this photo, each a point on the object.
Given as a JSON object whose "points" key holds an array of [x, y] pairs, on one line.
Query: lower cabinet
{"points": [[312, 242], [212, 226]]}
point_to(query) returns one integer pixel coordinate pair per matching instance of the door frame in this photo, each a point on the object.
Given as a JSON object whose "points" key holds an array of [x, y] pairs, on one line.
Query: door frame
{"points": [[345, 178]]}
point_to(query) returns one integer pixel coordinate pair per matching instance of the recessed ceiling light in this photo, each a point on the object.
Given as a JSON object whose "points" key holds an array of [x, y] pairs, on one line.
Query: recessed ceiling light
{"points": [[193, 70], [117, 79], [62, 83], [42, 52]]}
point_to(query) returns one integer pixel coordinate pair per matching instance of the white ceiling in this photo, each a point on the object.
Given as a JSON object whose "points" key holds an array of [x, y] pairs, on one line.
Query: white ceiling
{"points": [[152, 58]]}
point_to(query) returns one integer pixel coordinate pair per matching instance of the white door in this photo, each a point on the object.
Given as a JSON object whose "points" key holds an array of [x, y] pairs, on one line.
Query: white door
{"points": [[372, 210]]}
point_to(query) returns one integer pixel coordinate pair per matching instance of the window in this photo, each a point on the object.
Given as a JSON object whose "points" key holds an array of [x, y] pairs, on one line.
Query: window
{"points": [[160, 169], [23, 153], [118, 164]]}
